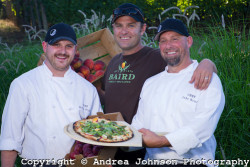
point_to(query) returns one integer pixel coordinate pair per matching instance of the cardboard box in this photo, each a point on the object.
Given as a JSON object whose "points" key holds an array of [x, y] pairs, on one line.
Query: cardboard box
{"points": [[107, 153], [99, 45]]}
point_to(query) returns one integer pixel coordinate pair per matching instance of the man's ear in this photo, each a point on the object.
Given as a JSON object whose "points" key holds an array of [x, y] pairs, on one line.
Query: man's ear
{"points": [[143, 28], [44, 44], [190, 41]]}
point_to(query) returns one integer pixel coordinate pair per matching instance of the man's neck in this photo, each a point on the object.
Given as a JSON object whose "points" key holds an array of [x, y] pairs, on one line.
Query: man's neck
{"points": [[132, 51], [55, 73], [178, 68]]}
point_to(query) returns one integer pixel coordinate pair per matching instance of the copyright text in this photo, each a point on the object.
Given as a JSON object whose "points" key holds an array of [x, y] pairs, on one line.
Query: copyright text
{"points": [[41, 162]]}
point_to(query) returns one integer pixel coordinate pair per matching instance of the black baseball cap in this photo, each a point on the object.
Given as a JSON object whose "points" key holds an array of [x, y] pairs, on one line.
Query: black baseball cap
{"points": [[128, 9], [60, 31], [171, 25]]}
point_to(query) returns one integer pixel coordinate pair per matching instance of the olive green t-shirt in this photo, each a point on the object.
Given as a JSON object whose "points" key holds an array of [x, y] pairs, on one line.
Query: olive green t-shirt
{"points": [[124, 78]]}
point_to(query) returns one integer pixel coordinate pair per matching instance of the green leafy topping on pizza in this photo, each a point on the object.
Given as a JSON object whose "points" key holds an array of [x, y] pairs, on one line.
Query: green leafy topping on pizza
{"points": [[103, 128]]}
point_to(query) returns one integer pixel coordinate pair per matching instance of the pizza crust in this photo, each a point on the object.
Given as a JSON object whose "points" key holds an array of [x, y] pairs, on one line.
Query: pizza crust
{"points": [[78, 127]]}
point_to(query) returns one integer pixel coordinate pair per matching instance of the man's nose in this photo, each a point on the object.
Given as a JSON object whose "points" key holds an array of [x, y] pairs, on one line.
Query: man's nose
{"points": [[63, 49], [168, 44], [124, 30]]}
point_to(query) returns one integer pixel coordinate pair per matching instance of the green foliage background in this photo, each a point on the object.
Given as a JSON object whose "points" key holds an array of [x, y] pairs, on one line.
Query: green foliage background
{"points": [[66, 10]]}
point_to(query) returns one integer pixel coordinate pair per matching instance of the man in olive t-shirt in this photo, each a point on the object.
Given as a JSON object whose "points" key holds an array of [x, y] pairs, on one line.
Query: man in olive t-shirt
{"points": [[124, 78]]}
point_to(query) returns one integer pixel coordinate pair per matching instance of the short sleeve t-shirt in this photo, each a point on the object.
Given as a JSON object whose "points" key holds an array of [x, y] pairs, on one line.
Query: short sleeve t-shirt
{"points": [[124, 78]]}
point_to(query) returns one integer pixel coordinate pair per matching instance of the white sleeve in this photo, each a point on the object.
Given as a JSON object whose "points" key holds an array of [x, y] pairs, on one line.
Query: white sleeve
{"points": [[203, 125], [13, 118]]}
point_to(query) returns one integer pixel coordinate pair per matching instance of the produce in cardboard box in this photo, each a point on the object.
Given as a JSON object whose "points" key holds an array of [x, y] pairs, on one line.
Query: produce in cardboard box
{"points": [[91, 77], [88, 69], [78, 148], [87, 150], [89, 63], [99, 65], [99, 73], [76, 63], [84, 70]]}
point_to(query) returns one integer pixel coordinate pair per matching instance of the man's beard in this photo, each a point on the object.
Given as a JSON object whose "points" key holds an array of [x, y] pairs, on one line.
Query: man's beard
{"points": [[173, 61]]}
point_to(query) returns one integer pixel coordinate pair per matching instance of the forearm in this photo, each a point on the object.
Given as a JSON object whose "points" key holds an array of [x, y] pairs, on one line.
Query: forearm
{"points": [[164, 142], [152, 140], [212, 63], [203, 74], [8, 158]]}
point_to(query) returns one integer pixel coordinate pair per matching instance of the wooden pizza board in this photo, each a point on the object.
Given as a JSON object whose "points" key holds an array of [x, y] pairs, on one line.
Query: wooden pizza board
{"points": [[136, 141]]}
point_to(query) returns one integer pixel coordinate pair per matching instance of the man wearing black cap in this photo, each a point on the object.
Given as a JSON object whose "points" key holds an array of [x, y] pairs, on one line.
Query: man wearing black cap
{"points": [[169, 103], [126, 72], [44, 100]]}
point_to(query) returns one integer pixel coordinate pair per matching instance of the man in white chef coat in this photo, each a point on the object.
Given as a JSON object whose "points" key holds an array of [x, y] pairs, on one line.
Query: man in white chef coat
{"points": [[44, 100], [169, 103]]}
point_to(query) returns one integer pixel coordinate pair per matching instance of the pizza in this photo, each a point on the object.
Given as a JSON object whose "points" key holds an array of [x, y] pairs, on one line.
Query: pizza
{"points": [[103, 130]]}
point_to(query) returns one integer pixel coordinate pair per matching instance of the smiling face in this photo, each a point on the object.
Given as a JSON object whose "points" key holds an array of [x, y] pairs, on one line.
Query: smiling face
{"points": [[175, 49], [127, 34], [59, 56]]}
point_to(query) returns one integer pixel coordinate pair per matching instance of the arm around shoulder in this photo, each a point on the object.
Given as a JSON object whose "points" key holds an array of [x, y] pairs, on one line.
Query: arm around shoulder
{"points": [[203, 74], [208, 61]]}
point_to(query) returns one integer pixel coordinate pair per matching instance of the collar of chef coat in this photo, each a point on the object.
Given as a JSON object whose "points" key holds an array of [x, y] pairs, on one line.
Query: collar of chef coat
{"points": [[67, 76], [185, 70]]}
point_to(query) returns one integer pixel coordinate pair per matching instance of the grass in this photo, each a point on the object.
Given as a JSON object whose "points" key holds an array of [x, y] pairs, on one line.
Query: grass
{"points": [[227, 47], [14, 61], [230, 51]]}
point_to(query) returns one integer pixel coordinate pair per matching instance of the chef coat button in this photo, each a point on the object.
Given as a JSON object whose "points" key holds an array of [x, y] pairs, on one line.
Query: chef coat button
{"points": [[54, 137]]}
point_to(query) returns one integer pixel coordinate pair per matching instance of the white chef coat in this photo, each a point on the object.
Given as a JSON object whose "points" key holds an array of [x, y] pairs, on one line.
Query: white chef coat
{"points": [[37, 109], [169, 103]]}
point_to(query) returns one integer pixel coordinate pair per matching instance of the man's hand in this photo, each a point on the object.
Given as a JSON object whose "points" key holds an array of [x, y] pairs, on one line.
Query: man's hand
{"points": [[203, 74], [150, 139], [8, 158]]}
